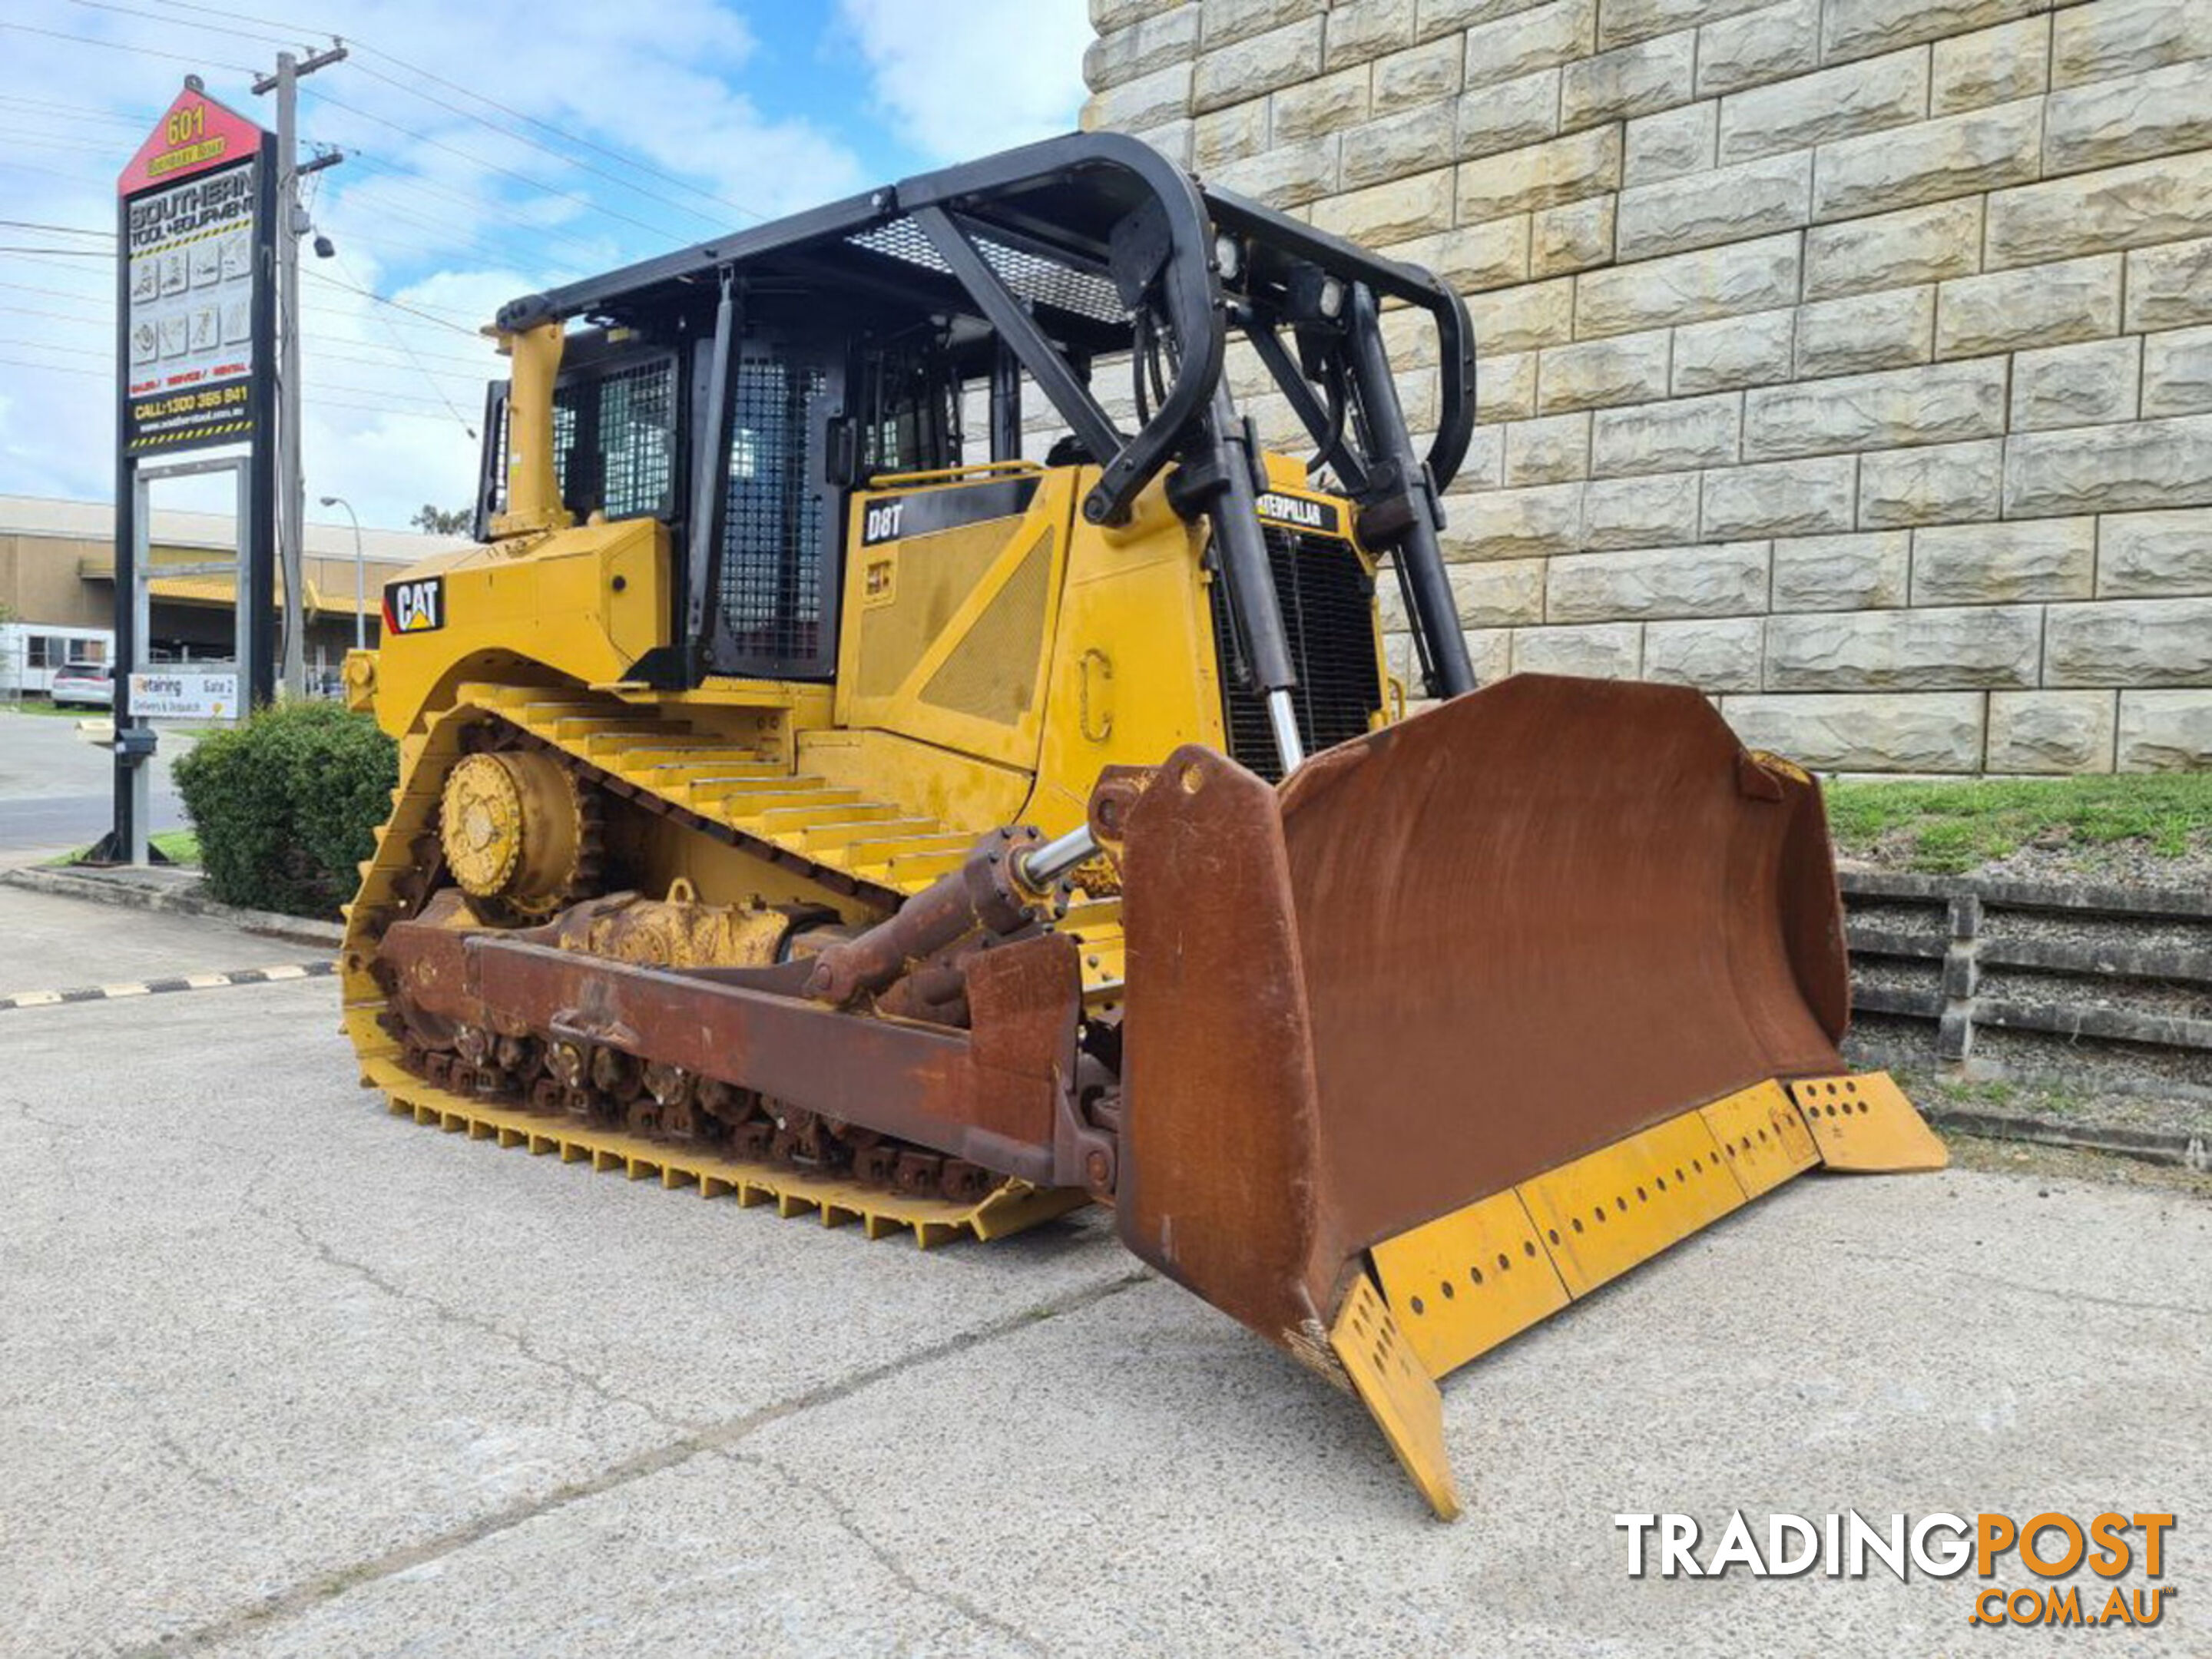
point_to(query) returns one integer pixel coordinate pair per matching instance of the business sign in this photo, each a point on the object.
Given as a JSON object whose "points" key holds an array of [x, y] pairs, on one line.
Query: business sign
{"points": [[166, 693], [194, 229]]}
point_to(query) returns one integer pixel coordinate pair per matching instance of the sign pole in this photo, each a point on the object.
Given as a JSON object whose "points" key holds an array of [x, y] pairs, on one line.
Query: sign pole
{"points": [[195, 357]]}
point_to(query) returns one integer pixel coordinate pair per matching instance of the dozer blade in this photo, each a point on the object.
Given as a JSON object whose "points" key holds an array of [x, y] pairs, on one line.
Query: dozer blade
{"points": [[1472, 1015]]}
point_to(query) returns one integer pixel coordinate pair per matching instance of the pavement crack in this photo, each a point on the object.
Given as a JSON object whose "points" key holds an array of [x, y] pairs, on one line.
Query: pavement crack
{"points": [[842, 1513], [2088, 1299], [449, 1314], [713, 1439]]}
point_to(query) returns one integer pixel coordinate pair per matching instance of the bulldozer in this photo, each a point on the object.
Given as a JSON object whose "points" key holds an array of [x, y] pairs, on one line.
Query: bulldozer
{"points": [[904, 751]]}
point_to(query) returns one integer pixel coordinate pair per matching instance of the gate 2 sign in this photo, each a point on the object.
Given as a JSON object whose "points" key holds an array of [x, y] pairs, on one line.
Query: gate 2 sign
{"points": [[196, 305]]}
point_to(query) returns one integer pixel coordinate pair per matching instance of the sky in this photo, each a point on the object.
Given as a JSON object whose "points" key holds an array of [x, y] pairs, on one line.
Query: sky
{"points": [[492, 148]]}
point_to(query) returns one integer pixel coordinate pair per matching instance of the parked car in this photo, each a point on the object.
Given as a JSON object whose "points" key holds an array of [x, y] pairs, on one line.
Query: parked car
{"points": [[90, 683]]}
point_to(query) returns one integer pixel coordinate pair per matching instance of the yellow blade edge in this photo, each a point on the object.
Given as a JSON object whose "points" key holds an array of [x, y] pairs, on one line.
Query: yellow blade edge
{"points": [[1398, 1393], [1864, 1123], [1452, 1289]]}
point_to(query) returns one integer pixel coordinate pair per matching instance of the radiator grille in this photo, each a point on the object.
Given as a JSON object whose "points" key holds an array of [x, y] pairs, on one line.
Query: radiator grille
{"points": [[1327, 601]]}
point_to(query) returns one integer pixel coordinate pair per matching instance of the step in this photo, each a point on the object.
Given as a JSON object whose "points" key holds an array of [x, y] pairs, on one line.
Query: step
{"points": [[807, 815], [835, 837], [875, 855], [726, 789]]}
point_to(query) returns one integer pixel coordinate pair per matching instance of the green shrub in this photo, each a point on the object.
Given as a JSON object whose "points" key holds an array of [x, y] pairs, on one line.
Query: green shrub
{"points": [[287, 805]]}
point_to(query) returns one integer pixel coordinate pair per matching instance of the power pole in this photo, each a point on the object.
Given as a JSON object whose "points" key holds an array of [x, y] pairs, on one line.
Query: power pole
{"points": [[292, 223]]}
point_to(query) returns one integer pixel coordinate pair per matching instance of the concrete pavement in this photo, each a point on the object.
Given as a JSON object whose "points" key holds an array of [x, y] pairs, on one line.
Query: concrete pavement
{"points": [[286, 1376], [57, 789]]}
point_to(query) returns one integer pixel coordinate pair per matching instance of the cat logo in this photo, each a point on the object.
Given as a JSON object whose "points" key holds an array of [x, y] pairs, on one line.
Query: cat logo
{"points": [[416, 607]]}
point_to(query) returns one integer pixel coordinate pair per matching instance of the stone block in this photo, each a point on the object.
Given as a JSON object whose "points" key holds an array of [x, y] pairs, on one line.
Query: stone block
{"points": [[1233, 134], [2176, 372], [1859, 28], [1682, 435], [1366, 29], [2053, 732], [1505, 387], [2155, 555], [1231, 73], [1939, 403], [1628, 368], [1412, 141], [1540, 175], [1633, 80], [2132, 206], [1553, 450], [1148, 101], [1574, 236], [1483, 467], [1507, 114], [1110, 17], [1714, 656], [1722, 204], [1515, 524], [1891, 329], [1816, 109], [2075, 385], [1540, 37], [2165, 731], [1223, 22], [1893, 250], [1980, 149], [1989, 66], [1394, 212], [1935, 483], [2035, 306], [1658, 581], [1863, 572], [1327, 103], [1604, 651], [2110, 469], [1767, 45], [1784, 498], [1150, 43], [1666, 146], [2004, 563], [1987, 647], [1171, 139], [1734, 352], [1474, 258], [1657, 510], [1690, 288], [2122, 37], [1523, 318], [1620, 22], [1435, 18], [2170, 287], [1285, 176], [1419, 75], [1497, 592], [2156, 113], [2130, 644], [1913, 733], [1490, 650]]}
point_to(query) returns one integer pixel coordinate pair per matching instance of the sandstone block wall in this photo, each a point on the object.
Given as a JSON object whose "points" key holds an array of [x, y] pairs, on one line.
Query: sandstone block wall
{"points": [[1850, 359]]}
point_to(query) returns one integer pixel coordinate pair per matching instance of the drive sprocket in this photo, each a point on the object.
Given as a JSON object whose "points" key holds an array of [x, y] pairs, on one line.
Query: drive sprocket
{"points": [[520, 834]]}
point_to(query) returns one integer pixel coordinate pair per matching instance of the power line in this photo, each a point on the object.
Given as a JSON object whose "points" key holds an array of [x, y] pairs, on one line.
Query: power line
{"points": [[211, 28], [319, 402], [431, 76], [431, 383], [387, 300], [584, 202], [66, 230], [122, 46]]}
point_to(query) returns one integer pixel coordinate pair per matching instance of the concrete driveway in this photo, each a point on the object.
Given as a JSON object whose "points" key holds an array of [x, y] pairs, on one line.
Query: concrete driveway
{"points": [[286, 1376]]}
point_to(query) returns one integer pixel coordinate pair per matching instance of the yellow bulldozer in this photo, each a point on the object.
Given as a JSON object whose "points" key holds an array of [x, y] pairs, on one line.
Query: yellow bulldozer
{"points": [[806, 798]]}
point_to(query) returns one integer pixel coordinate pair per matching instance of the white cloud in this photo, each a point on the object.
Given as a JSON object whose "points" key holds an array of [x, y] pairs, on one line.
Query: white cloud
{"points": [[957, 82]]}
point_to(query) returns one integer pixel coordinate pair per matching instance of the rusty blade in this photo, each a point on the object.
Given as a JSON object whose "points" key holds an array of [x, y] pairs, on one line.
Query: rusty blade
{"points": [[1444, 959]]}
